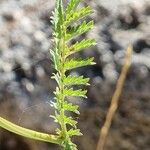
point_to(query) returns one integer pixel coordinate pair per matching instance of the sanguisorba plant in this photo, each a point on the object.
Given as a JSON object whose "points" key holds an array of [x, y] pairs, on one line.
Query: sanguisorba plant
{"points": [[68, 23]]}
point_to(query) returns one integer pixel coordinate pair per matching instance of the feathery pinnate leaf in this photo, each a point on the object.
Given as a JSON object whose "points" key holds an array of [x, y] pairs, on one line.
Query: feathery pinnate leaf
{"points": [[75, 80], [71, 92], [79, 14], [67, 24], [75, 63], [85, 43], [78, 30], [71, 107], [72, 5], [73, 132]]}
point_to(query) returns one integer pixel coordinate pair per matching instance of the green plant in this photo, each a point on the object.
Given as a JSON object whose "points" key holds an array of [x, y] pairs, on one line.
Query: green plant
{"points": [[67, 24]]}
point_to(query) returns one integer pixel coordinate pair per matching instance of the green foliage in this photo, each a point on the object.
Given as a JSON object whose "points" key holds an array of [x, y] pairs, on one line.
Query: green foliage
{"points": [[75, 80], [77, 30], [74, 16], [78, 46], [75, 63], [71, 7], [68, 24]]}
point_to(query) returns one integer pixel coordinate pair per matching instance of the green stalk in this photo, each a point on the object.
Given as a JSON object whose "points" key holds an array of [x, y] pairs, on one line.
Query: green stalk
{"points": [[62, 76], [29, 133], [62, 73]]}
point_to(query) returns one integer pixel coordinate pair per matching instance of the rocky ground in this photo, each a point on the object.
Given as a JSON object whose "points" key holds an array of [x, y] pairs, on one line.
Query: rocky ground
{"points": [[25, 69]]}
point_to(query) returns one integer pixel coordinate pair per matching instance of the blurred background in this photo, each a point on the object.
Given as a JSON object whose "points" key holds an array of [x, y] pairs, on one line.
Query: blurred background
{"points": [[25, 70]]}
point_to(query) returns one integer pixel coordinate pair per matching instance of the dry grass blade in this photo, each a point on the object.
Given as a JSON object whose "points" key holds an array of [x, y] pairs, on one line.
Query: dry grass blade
{"points": [[115, 99]]}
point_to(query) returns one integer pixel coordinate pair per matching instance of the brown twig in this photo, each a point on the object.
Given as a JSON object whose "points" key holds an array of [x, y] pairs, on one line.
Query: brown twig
{"points": [[115, 99]]}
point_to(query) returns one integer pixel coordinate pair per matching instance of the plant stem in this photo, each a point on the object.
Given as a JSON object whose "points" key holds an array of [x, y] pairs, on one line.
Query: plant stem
{"points": [[29, 133], [64, 129], [115, 99]]}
